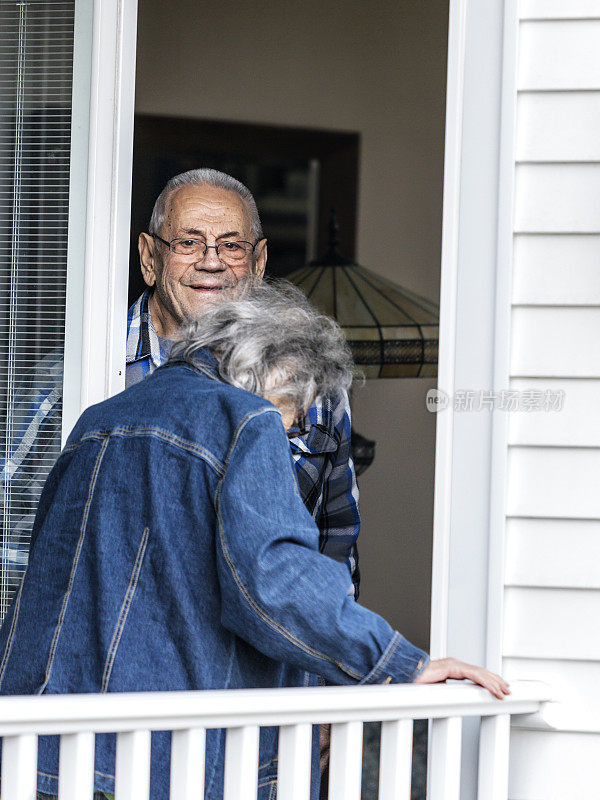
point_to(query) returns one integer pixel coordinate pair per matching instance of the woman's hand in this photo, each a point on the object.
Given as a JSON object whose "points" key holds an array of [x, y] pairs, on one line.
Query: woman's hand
{"points": [[443, 668]]}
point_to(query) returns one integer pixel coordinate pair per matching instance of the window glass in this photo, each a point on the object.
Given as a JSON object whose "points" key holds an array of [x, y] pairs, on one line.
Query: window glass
{"points": [[36, 68]]}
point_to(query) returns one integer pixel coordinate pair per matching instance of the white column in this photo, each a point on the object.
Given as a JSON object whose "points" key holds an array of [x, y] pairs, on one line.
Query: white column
{"points": [[345, 769], [76, 767], [19, 767], [443, 763], [395, 760], [241, 763], [132, 770], [293, 773], [494, 743], [187, 764]]}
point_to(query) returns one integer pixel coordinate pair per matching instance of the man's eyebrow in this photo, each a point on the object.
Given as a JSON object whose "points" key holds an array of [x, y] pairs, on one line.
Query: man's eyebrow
{"points": [[196, 232], [229, 235]]}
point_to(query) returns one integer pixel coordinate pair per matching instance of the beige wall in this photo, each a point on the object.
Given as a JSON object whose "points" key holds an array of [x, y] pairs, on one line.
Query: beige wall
{"points": [[378, 69]]}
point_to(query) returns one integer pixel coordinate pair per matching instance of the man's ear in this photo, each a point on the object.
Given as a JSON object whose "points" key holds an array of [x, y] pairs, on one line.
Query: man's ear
{"points": [[261, 259], [148, 258]]}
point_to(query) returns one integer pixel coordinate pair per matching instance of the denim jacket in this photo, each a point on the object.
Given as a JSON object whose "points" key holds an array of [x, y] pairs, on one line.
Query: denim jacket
{"points": [[324, 467], [196, 567]]}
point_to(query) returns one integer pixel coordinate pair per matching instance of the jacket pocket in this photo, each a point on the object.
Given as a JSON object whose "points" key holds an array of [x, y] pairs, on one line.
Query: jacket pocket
{"points": [[125, 606]]}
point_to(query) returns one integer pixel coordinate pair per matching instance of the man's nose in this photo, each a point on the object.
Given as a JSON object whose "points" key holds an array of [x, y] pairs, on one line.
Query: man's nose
{"points": [[210, 261]]}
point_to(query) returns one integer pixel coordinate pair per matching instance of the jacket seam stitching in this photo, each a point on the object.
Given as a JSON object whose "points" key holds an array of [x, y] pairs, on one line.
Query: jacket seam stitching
{"points": [[385, 658], [104, 774], [177, 441], [270, 621], [74, 565], [270, 781], [124, 612], [55, 777], [11, 635], [282, 630], [196, 367], [240, 428]]}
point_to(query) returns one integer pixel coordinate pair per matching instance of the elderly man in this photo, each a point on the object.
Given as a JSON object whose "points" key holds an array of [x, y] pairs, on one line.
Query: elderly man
{"points": [[204, 236]]}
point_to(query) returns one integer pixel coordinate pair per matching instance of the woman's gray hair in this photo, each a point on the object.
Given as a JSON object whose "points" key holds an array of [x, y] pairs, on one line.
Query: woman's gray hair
{"points": [[205, 177], [271, 341]]}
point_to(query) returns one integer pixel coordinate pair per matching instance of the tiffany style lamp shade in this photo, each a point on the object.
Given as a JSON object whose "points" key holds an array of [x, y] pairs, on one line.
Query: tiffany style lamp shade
{"points": [[392, 332]]}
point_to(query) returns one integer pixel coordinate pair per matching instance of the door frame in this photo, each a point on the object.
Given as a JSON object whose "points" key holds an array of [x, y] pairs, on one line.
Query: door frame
{"points": [[99, 203], [474, 354]]}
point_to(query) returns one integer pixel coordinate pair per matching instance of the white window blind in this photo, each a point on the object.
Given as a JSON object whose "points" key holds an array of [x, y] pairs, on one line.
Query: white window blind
{"points": [[36, 70]]}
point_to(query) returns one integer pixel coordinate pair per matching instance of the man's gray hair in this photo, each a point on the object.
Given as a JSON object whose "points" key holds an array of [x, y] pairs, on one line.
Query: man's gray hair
{"points": [[271, 341], [205, 177]]}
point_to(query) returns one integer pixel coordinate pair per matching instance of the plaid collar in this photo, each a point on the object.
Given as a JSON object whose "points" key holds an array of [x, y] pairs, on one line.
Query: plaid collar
{"points": [[142, 339]]}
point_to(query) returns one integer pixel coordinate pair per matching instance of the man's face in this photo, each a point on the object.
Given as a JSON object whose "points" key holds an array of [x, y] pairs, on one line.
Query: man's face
{"points": [[184, 286]]}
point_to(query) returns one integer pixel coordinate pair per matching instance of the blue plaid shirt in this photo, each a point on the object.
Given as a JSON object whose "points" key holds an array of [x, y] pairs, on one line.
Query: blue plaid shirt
{"points": [[324, 467]]}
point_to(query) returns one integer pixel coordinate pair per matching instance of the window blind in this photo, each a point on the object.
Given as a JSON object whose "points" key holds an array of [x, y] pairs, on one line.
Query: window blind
{"points": [[36, 69]]}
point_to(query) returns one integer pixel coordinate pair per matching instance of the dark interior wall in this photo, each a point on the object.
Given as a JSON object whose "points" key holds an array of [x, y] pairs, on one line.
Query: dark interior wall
{"points": [[378, 70]]}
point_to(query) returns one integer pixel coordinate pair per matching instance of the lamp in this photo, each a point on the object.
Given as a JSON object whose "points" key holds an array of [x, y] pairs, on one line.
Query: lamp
{"points": [[392, 332]]}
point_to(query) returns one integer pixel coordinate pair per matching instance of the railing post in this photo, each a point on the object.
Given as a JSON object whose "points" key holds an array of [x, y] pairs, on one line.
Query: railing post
{"points": [[294, 757], [395, 760], [241, 763], [132, 769], [19, 767], [494, 743], [188, 749], [443, 762], [345, 768], [76, 766]]}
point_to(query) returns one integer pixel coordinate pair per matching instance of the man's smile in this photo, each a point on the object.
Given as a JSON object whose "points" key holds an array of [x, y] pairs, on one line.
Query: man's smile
{"points": [[202, 288]]}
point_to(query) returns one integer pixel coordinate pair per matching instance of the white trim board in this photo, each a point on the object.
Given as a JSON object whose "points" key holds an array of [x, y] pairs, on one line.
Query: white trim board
{"points": [[98, 268], [474, 325]]}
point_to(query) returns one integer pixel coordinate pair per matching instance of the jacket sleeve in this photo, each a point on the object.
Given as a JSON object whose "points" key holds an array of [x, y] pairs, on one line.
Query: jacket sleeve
{"points": [[278, 592]]}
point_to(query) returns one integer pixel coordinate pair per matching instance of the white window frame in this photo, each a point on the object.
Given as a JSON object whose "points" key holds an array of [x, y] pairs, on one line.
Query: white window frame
{"points": [[99, 203]]}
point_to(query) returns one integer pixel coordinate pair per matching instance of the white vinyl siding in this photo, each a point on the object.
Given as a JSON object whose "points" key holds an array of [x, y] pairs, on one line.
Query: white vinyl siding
{"points": [[559, 9], [551, 623], [576, 425], [558, 198], [555, 126], [553, 553], [572, 680], [559, 53], [552, 533], [555, 341], [556, 270], [560, 765]]}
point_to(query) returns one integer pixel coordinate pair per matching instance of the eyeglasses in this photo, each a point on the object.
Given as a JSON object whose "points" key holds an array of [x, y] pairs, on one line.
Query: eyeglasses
{"points": [[300, 428], [228, 252]]}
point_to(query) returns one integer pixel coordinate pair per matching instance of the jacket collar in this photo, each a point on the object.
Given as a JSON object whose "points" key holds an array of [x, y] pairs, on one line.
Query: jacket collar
{"points": [[203, 360], [142, 340]]}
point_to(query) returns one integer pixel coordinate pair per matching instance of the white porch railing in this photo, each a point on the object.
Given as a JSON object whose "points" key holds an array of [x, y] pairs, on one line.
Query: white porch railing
{"points": [[188, 714]]}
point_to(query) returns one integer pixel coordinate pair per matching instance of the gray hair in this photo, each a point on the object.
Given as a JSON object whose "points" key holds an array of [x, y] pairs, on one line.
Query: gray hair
{"points": [[205, 177], [271, 341]]}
